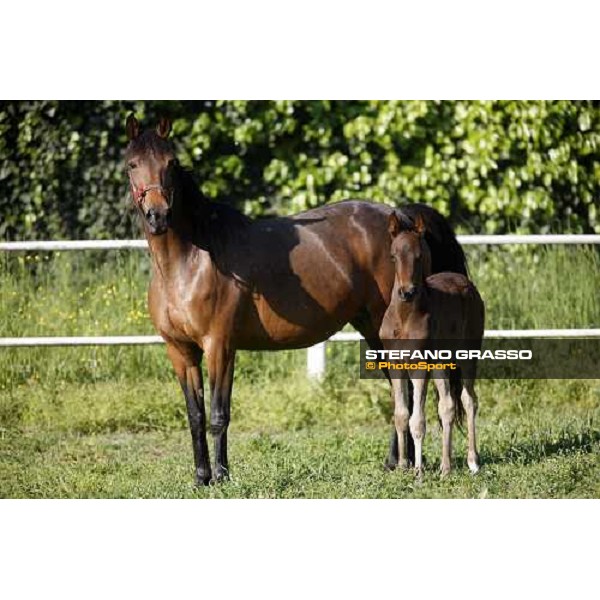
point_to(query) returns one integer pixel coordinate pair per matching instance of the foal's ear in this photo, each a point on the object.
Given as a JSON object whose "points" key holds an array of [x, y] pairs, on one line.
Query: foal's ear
{"points": [[132, 127], [164, 127], [419, 226], [394, 225]]}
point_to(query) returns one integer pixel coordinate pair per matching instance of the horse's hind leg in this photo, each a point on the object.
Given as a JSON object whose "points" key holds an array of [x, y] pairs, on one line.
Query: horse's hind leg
{"points": [[446, 412], [469, 402], [186, 362]]}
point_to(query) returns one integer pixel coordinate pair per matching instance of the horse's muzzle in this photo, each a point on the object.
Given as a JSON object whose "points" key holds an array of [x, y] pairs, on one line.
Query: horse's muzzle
{"points": [[157, 220]]}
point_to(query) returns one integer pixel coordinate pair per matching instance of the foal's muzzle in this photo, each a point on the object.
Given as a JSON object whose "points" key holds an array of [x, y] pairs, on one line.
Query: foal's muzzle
{"points": [[408, 294]]}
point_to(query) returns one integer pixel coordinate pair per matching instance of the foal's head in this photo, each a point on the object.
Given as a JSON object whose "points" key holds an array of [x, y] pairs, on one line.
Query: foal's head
{"points": [[151, 163], [410, 254]]}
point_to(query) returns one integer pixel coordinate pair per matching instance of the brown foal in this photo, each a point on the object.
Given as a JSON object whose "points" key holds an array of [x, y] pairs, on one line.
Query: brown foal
{"points": [[223, 282], [429, 308]]}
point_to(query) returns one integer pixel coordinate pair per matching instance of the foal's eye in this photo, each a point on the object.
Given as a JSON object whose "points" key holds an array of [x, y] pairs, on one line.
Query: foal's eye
{"points": [[393, 258], [132, 165]]}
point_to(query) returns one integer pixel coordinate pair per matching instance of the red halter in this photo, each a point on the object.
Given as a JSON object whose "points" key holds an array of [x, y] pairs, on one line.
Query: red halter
{"points": [[140, 193]]}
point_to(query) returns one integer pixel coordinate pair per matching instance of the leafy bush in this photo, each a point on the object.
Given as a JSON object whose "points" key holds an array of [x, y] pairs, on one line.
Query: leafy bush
{"points": [[530, 166]]}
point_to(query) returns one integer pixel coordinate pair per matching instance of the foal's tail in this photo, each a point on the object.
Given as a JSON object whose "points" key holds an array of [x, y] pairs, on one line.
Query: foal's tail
{"points": [[456, 391]]}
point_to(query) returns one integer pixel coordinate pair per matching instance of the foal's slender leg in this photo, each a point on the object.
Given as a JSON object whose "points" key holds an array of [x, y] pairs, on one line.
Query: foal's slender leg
{"points": [[469, 401], [186, 362], [401, 417], [220, 364], [446, 411], [393, 456], [417, 420]]}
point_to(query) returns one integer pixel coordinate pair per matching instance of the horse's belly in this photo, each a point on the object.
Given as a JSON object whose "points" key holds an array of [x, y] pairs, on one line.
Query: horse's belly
{"points": [[292, 327]]}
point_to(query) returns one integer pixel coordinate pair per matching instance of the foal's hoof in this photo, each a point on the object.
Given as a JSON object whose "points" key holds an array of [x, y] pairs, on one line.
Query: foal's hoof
{"points": [[474, 467], [404, 465], [473, 463], [400, 465], [444, 472]]}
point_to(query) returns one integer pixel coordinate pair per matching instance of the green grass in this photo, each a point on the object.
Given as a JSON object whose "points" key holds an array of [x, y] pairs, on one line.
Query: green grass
{"points": [[110, 422], [536, 440]]}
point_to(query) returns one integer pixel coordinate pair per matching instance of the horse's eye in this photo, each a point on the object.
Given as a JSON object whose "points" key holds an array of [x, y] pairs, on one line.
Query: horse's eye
{"points": [[393, 258], [132, 165]]}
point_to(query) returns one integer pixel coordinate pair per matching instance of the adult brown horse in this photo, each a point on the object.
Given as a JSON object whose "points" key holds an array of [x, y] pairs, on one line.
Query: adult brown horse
{"points": [[223, 282]]}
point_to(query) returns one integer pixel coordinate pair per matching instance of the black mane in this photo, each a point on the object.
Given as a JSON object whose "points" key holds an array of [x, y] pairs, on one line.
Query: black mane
{"points": [[215, 226]]}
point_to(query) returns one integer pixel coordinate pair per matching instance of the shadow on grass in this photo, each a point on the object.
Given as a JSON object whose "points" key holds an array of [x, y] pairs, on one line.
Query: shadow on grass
{"points": [[535, 448]]}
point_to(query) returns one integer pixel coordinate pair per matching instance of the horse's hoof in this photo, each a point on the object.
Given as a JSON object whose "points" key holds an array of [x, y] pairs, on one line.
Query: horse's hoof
{"points": [[474, 468], [202, 478], [392, 465], [402, 466], [445, 472], [473, 462], [221, 475]]}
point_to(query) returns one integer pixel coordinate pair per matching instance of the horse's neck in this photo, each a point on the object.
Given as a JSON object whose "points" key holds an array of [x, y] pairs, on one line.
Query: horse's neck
{"points": [[200, 232], [163, 249], [172, 250]]}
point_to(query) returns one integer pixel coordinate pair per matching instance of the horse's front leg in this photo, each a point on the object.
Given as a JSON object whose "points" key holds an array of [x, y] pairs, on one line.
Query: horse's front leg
{"points": [[401, 417], [417, 420], [186, 362], [394, 452], [220, 361], [393, 456]]}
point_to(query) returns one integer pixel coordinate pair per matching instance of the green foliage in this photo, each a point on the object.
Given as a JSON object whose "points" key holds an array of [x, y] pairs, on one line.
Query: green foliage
{"points": [[492, 166]]}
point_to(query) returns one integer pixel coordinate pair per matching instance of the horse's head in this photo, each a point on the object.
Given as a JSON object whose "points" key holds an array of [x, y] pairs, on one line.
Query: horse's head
{"points": [[151, 162], [410, 254]]}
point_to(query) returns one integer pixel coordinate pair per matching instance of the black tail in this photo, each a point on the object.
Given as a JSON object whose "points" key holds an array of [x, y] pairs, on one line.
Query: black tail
{"points": [[456, 391]]}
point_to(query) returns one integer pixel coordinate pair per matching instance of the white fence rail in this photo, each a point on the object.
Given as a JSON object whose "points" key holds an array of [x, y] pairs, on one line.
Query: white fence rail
{"points": [[467, 240], [342, 336], [315, 361]]}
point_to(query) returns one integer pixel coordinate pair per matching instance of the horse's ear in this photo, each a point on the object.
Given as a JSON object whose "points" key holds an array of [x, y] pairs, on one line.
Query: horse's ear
{"points": [[164, 127], [394, 225], [132, 127], [419, 225]]}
